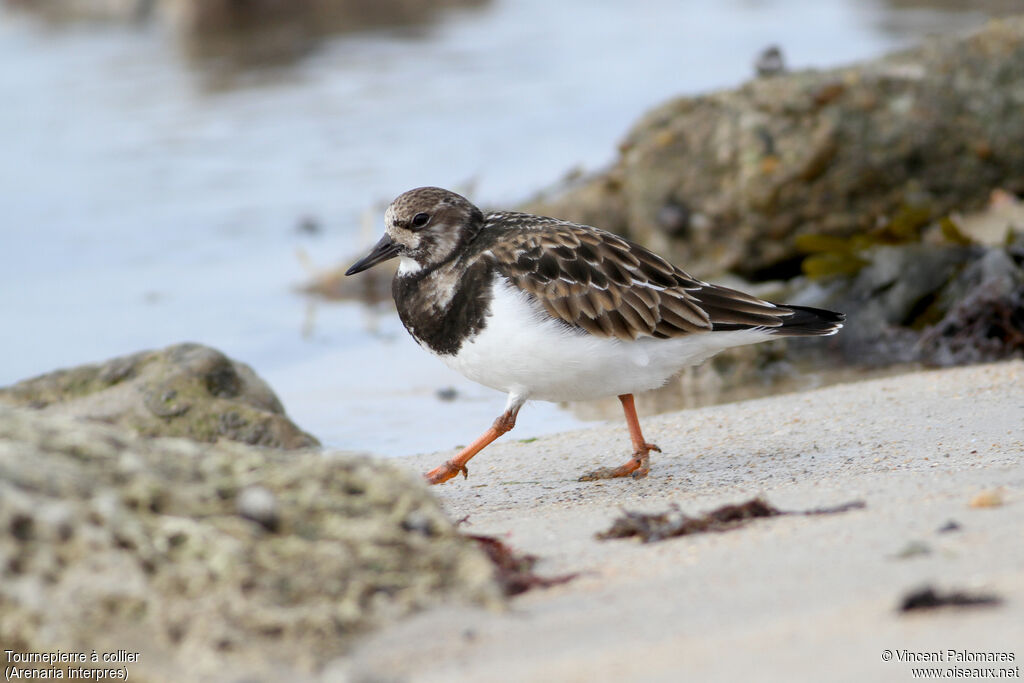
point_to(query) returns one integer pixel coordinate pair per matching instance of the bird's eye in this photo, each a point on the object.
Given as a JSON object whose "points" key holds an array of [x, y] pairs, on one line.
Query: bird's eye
{"points": [[419, 220]]}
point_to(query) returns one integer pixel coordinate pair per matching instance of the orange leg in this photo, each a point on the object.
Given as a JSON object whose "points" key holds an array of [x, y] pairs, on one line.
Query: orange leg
{"points": [[443, 473], [639, 465]]}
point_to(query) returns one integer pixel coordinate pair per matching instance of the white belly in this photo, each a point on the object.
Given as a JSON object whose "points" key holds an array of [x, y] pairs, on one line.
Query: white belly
{"points": [[524, 352]]}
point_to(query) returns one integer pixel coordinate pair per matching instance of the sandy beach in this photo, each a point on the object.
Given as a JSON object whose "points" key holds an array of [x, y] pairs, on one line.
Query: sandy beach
{"points": [[781, 599]]}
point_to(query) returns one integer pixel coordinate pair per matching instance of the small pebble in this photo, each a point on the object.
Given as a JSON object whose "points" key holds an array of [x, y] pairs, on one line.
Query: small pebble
{"points": [[913, 549], [447, 393], [991, 498], [308, 225], [770, 62]]}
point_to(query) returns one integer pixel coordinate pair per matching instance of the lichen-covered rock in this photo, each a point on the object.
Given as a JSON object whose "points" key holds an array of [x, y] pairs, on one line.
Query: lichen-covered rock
{"points": [[214, 561], [186, 390], [938, 304], [728, 181]]}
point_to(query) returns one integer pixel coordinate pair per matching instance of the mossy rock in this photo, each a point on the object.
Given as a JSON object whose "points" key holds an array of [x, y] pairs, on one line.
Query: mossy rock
{"points": [[186, 390]]}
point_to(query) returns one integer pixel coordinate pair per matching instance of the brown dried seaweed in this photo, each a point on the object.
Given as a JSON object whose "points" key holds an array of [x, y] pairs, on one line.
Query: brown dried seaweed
{"points": [[514, 571], [659, 526]]}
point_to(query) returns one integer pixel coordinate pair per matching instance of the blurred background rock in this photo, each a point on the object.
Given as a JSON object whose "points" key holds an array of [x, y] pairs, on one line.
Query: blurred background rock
{"points": [[233, 34]]}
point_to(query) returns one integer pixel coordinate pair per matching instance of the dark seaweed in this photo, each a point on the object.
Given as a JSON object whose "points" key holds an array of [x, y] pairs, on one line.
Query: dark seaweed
{"points": [[927, 597], [659, 526]]}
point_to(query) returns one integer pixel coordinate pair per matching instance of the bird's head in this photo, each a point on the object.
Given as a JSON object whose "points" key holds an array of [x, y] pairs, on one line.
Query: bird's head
{"points": [[424, 227]]}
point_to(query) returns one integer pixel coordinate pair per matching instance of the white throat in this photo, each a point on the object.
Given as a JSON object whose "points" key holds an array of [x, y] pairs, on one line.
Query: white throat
{"points": [[408, 266]]}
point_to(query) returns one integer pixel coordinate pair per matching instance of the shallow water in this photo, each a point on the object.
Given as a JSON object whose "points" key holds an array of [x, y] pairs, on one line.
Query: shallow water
{"points": [[146, 199]]}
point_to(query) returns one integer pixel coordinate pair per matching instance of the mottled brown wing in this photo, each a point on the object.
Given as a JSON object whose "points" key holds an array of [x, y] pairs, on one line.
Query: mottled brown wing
{"points": [[611, 287]]}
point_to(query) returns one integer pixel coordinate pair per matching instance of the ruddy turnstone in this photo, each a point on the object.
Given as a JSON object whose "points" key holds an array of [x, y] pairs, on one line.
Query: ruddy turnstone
{"points": [[546, 309]]}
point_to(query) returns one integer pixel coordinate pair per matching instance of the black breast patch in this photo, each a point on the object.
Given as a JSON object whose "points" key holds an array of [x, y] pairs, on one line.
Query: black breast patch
{"points": [[443, 329]]}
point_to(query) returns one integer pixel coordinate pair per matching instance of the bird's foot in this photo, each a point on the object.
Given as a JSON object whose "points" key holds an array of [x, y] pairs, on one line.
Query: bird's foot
{"points": [[444, 472], [637, 467]]}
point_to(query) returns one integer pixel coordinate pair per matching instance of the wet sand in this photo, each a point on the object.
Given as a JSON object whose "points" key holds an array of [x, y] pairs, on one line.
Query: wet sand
{"points": [[788, 598]]}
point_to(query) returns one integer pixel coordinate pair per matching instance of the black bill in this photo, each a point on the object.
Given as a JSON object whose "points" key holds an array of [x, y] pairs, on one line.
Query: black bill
{"points": [[381, 251]]}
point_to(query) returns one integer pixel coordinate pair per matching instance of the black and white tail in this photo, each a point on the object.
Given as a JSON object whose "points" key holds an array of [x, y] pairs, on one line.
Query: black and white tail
{"points": [[732, 310], [809, 322]]}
